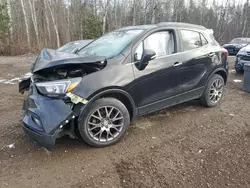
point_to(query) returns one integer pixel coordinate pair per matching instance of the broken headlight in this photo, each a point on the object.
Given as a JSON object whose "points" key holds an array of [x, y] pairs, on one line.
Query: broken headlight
{"points": [[55, 88]]}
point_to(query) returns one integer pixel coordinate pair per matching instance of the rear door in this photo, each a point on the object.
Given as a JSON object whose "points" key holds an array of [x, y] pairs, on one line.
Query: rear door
{"points": [[199, 56]]}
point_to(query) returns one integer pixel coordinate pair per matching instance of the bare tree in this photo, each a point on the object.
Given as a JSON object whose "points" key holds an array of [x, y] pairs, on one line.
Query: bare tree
{"points": [[246, 7], [35, 23], [47, 21], [104, 19], [68, 22], [52, 14], [34, 20], [26, 24], [10, 16]]}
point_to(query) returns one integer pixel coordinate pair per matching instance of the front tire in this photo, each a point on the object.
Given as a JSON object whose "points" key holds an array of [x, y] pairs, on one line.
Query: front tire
{"points": [[213, 92], [104, 122]]}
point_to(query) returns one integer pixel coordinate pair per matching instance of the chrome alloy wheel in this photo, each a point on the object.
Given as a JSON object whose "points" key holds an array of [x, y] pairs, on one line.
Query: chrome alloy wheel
{"points": [[105, 123], [216, 91]]}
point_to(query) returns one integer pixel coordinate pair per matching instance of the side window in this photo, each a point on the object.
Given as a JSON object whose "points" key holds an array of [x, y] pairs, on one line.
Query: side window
{"points": [[203, 40], [161, 42], [191, 40]]}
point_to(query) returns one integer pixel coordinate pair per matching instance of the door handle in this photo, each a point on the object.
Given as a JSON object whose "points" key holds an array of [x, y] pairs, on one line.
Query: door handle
{"points": [[211, 54], [177, 64]]}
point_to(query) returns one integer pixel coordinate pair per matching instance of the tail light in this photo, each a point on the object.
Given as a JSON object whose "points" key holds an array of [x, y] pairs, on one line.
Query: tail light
{"points": [[225, 51]]}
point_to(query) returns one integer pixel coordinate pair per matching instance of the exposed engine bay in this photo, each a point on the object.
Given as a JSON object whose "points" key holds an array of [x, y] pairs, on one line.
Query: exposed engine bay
{"points": [[52, 65], [64, 73]]}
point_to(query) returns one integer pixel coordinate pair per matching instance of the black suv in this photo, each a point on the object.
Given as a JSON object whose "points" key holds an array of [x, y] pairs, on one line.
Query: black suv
{"points": [[236, 44], [129, 72], [242, 58]]}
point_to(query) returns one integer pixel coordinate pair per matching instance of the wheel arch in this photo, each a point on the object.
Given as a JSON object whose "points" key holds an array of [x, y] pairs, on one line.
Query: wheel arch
{"points": [[220, 71], [119, 94]]}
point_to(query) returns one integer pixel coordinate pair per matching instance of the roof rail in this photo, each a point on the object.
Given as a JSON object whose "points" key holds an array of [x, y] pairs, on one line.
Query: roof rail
{"points": [[181, 24]]}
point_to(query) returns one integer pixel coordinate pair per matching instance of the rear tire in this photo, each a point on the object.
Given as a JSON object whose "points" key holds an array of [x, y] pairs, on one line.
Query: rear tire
{"points": [[104, 122], [214, 91]]}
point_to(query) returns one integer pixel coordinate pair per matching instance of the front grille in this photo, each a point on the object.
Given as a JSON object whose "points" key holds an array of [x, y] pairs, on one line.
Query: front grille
{"points": [[245, 58]]}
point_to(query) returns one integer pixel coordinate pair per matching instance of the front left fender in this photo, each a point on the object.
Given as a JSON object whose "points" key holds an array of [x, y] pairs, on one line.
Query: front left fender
{"points": [[119, 76]]}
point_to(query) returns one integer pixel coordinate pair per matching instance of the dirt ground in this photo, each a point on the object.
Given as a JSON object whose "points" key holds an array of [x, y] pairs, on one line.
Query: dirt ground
{"points": [[184, 146]]}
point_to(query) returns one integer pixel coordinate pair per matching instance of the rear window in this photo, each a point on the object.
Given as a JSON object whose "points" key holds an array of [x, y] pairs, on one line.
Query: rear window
{"points": [[191, 40]]}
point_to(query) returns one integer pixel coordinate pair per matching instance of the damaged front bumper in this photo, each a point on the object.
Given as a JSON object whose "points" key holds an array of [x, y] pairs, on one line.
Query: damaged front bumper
{"points": [[240, 62], [44, 118]]}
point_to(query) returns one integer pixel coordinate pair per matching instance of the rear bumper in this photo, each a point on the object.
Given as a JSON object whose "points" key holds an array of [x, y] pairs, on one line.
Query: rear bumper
{"points": [[44, 118]]}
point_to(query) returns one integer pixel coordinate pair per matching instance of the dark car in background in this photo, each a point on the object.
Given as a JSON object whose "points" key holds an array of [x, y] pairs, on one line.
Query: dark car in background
{"points": [[236, 44], [74, 46], [242, 57], [95, 94]]}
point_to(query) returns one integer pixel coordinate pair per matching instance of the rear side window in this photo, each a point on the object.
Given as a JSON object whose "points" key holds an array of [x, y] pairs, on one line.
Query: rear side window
{"points": [[203, 40], [191, 40]]}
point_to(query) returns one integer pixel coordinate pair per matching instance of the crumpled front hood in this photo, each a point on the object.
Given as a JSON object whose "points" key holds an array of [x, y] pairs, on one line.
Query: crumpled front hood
{"points": [[49, 58]]}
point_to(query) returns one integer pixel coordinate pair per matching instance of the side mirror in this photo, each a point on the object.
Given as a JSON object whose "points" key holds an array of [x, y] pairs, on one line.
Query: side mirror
{"points": [[147, 56]]}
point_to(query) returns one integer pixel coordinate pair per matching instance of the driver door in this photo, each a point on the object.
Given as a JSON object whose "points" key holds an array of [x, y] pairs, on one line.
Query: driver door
{"points": [[158, 85]]}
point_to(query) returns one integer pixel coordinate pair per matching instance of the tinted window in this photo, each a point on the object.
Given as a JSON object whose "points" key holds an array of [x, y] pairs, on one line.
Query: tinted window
{"points": [[110, 44], [203, 40], [161, 42], [191, 40]]}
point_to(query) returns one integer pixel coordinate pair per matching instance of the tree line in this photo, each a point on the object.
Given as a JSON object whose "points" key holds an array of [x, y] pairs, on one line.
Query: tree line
{"points": [[29, 25]]}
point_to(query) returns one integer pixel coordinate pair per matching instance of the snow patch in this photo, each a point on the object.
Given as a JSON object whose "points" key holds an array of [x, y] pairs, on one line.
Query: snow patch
{"points": [[232, 70], [11, 146], [237, 81], [11, 81]]}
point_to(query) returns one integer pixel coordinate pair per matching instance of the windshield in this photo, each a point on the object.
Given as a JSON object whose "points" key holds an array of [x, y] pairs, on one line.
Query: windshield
{"points": [[68, 47], [239, 41], [110, 44]]}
